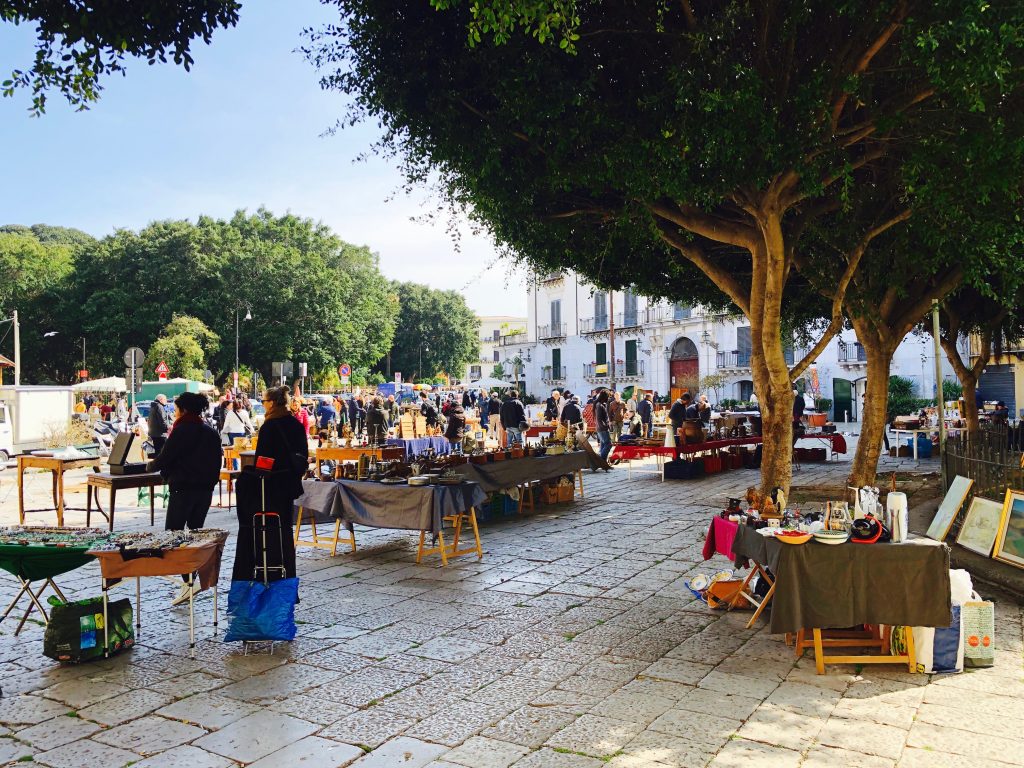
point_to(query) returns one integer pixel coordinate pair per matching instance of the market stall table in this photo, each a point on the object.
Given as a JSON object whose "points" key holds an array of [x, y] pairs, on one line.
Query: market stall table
{"points": [[819, 587], [413, 446], [521, 472], [57, 467], [836, 443], [630, 452], [539, 431], [414, 508], [315, 505], [340, 453], [35, 562], [926, 431], [114, 483], [203, 557]]}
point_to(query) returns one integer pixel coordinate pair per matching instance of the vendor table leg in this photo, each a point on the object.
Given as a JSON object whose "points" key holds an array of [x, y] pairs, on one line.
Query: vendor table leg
{"points": [[34, 597], [152, 508], [819, 654], [88, 505], [579, 474], [17, 597], [215, 617], [60, 497], [113, 496], [191, 616], [106, 622], [138, 604], [21, 492]]}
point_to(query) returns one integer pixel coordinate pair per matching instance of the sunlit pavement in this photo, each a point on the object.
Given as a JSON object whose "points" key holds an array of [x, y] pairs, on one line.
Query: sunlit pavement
{"points": [[573, 644]]}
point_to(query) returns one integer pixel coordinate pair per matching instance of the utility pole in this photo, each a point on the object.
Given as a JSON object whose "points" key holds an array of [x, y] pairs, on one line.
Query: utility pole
{"points": [[939, 399], [17, 351], [83, 354], [611, 337]]}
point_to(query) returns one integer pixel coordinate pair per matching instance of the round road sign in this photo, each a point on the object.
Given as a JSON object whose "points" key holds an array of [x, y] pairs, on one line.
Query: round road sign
{"points": [[134, 356], [344, 369]]}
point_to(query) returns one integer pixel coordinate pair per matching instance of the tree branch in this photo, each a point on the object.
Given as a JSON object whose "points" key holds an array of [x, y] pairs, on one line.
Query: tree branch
{"points": [[865, 61], [697, 256], [693, 219], [691, 20]]}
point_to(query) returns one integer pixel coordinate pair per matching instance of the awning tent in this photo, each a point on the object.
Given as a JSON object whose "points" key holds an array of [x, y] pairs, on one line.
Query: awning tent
{"points": [[109, 384], [490, 383]]}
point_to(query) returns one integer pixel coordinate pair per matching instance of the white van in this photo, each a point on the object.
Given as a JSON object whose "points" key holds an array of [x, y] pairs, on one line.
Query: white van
{"points": [[29, 413]]}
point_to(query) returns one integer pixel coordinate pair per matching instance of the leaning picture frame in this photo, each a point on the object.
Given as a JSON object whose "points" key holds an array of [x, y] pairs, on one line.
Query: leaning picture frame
{"points": [[951, 504], [1009, 547], [981, 526]]}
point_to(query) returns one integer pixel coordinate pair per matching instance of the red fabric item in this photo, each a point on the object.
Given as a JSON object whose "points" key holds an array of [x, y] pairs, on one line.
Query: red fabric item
{"points": [[265, 462], [721, 535]]}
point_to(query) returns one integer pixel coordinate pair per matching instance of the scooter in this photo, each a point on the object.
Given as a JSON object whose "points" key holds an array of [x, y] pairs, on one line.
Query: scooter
{"points": [[103, 434]]}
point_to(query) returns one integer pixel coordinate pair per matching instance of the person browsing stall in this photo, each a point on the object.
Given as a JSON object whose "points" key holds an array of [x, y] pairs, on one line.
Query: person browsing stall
{"points": [[645, 409], [190, 462], [158, 423], [551, 406], [604, 426], [513, 417], [377, 421], [455, 430], [428, 410]]}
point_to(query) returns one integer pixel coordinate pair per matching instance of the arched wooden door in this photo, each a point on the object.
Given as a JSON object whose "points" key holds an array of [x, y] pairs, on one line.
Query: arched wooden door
{"points": [[684, 368]]}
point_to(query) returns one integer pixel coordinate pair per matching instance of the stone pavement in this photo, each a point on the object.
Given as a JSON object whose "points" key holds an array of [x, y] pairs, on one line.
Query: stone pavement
{"points": [[573, 644]]}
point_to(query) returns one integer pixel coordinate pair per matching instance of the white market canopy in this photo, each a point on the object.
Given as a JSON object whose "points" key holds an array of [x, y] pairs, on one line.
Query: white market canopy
{"points": [[202, 386], [490, 383], [109, 384]]}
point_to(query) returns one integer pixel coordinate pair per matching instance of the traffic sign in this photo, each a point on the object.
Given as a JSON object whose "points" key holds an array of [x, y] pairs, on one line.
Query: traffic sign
{"points": [[344, 370], [134, 356], [398, 378], [344, 381], [83, 374], [162, 368]]}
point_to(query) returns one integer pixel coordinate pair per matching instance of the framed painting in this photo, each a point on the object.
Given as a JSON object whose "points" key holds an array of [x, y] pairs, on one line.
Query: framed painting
{"points": [[1009, 546], [981, 526], [955, 498]]}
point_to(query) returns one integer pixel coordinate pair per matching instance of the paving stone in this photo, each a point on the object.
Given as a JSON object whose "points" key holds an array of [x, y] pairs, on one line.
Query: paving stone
{"points": [[367, 685], [449, 649], [12, 752], [867, 711], [457, 722], [677, 671], [596, 736], [150, 734], [657, 749], [781, 728], [279, 682], [185, 756], [633, 708], [512, 691], [696, 726], [830, 757], [85, 752], [567, 701], [188, 684], [549, 758], [961, 742], [743, 754], [256, 736], [311, 752], [481, 752], [51, 734], [370, 727], [952, 717], [312, 708], [126, 707], [80, 692], [209, 710], [530, 726], [926, 758], [741, 685], [885, 741], [806, 700], [717, 704], [15, 710], [402, 752]]}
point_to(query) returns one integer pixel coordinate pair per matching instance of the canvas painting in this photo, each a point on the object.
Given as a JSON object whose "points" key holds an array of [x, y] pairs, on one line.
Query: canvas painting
{"points": [[981, 526], [1010, 542], [955, 498]]}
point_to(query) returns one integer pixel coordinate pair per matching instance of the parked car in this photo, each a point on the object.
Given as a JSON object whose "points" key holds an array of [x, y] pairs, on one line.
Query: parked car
{"points": [[259, 413], [140, 411]]}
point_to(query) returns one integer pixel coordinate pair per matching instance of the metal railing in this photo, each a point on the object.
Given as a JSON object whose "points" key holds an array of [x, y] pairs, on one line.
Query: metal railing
{"points": [[631, 369], [631, 319], [594, 324], [734, 359], [552, 373], [590, 371], [512, 339], [550, 277], [852, 353], [991, 458], [553, 331]]}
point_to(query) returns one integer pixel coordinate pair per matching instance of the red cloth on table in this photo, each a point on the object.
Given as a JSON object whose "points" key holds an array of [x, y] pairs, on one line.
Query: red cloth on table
{"points": [[721, 535]]}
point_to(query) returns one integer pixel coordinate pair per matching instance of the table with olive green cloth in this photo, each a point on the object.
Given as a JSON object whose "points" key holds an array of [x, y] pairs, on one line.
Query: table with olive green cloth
{"points": [[822, 586]]}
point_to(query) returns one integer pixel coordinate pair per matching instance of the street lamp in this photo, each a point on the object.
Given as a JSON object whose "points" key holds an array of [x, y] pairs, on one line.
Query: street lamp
{"points": [[248, 316]]}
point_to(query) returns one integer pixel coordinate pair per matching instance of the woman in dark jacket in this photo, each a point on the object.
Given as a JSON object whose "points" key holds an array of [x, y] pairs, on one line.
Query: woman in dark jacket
{"points": [[283, 440], [604, 424], [456, 425], [377, 421]]}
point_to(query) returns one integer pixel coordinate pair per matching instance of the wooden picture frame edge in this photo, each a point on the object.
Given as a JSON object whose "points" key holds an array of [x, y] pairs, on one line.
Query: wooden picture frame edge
{"points": [[959, 506], [967, 517], [1004, 520]]}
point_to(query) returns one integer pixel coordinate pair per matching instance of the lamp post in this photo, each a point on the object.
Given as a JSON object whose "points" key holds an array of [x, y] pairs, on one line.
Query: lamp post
{"points": [[83, 353], [248, 316]]}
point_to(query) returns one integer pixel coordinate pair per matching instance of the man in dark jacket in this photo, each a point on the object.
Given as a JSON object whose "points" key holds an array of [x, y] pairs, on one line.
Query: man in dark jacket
{"points": [[158, 423], [571, 413], [190, 462], [551, 406], [467, 401], [513, 416], [681, 410], [645, 409], [604, 423], [456, 427], [428, 409], [377, 421]]}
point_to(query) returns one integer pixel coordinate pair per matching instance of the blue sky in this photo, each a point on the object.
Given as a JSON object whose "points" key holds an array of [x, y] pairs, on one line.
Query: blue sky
{"points": [[242, 129]]}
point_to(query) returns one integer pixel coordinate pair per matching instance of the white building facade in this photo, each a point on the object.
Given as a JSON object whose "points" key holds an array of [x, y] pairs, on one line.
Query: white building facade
{"points": [[668, 348], [493, 329]]}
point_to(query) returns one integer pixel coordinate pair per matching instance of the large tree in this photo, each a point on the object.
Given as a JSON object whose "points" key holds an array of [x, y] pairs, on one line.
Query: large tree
{"points": [[674, 136], [78, 43], [436, 333]]}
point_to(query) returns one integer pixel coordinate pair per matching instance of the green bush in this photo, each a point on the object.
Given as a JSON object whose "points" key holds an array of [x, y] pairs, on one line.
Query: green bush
{"points": [[902, 400], [822, 404], [951, 390]]}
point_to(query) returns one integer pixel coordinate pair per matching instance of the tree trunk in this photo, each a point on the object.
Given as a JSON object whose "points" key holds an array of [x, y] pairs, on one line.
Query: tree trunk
{"points": [[970, 385], [874, 413]]}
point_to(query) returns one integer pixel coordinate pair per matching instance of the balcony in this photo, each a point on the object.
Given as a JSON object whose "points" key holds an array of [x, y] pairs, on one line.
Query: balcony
{"points": [[628, 370], [550, 278], [628, 321], [513, 339], [670, 314], [594, 325], [735, 360], [552, 374], [597, 371], [553, 331], [852, 354]]}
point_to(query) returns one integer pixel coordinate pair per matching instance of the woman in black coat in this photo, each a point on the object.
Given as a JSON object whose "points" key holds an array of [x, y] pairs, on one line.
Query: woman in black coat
{"points": [[282, 439]]}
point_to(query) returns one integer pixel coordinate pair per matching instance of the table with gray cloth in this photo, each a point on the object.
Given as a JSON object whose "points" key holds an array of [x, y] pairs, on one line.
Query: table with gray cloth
{"points": [[498, 475], [317, 500], [827, 586], [416, 445], [412, 508]]}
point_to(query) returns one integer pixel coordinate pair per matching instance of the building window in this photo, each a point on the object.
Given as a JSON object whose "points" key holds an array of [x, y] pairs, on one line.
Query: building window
{"points": [[556, 362], [474, 372], [497, 335], [601, 353], [631, 365], [497, 359], [680, 312], [600, 311], [743, 346], [556, 317], [629, 314], [746, 390]]}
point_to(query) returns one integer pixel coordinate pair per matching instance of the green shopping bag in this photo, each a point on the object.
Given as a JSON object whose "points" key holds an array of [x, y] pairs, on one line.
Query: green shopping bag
{"points": [[75, 631]]}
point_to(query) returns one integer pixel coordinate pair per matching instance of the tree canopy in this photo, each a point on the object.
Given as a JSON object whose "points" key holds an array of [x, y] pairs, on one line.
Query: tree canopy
{"points": [[638, 142], [79, 43], [313, 297], [436, 327], [184, 345]]}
